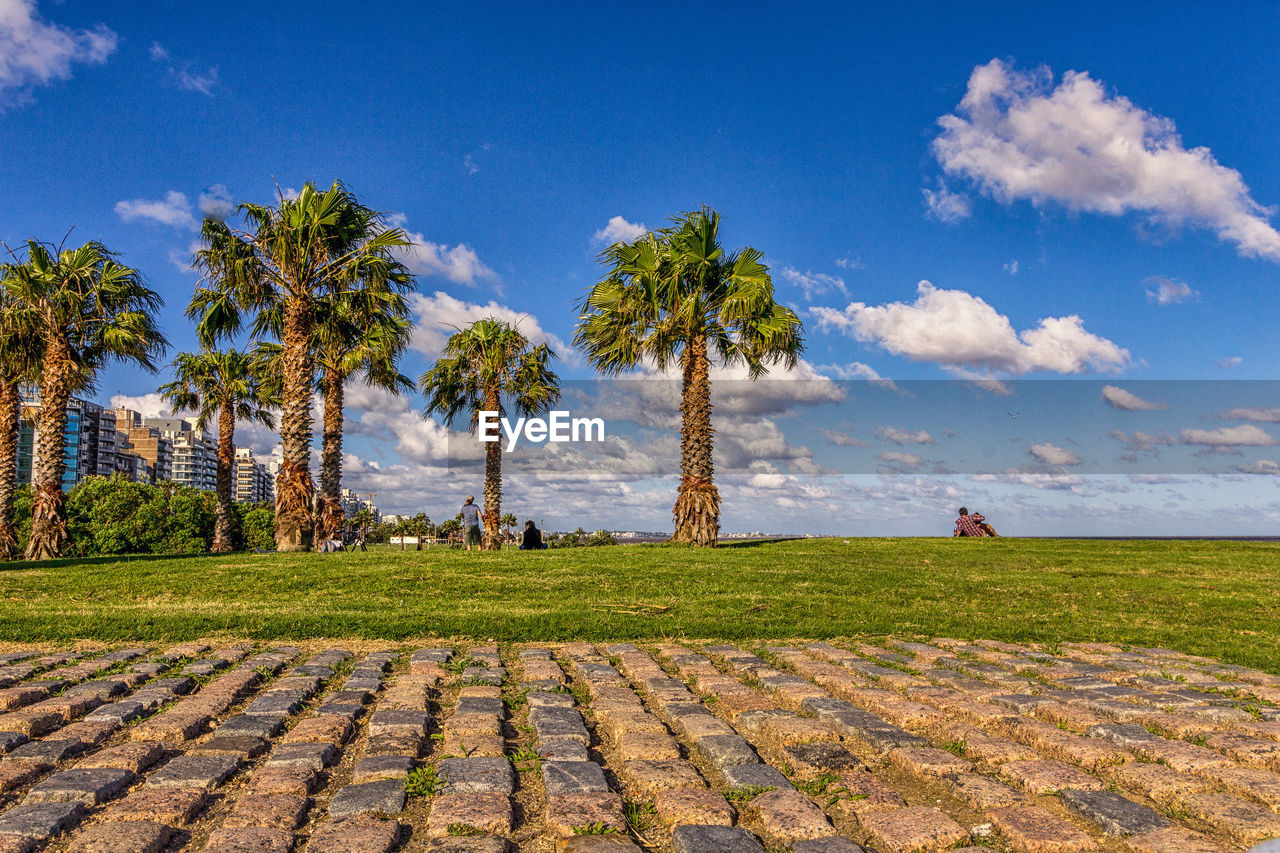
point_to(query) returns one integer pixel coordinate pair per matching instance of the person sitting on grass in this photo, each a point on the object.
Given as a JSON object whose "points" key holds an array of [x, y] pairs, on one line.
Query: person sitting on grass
{"points": [[972, 525], [532, 538], [472, 518]]}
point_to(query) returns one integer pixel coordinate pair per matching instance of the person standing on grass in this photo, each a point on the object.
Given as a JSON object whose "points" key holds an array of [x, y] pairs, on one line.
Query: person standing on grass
{"points": [[472, 518], [972, 525]]}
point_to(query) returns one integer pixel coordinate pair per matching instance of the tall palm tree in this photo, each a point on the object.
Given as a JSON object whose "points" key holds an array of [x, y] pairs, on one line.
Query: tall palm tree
{"points": [[221, 386], [88, 309], [675, 294], [20, 356], [488, 366], [508, 521], [358, 333], [290, 256]]}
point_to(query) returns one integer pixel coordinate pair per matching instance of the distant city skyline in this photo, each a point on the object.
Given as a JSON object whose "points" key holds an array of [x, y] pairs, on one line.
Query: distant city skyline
{"points": [[969, 194]]}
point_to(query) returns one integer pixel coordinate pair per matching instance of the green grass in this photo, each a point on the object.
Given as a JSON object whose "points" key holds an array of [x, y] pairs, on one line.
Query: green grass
{"points": [[1220, 599]]}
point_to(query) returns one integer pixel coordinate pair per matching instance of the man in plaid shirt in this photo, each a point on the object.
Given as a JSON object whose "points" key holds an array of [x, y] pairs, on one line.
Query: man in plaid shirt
{"points": [[971, 525]]}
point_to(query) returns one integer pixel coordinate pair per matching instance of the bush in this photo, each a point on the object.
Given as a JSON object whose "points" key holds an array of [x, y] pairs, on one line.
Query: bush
{"points": [[259, 528]]}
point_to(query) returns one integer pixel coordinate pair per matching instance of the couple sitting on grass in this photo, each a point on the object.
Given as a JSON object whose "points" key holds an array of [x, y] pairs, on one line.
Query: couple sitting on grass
{"points": [[972, 525]]}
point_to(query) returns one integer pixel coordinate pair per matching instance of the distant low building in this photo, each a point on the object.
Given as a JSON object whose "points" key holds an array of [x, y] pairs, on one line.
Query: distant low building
{"points": [[352, 503]]}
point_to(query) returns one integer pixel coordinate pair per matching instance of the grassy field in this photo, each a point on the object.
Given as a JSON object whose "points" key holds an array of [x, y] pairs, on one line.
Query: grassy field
{"points": [[1215, 598]]}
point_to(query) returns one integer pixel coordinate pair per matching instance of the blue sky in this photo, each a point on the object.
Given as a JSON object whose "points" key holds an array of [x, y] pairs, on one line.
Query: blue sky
{"points": [[1137, 196]]}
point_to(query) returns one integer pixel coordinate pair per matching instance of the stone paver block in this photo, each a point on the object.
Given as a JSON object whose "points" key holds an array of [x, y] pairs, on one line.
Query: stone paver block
{"points": [[696, 806], [787, 816], [563, 749], [282, 779], [324, 729], [171, 727], [573, 777], [754, 776], [246, 840], [316, 756], [926, 761], [32, 723], [915, 828], [567, 811], [1048, 777], [714, 839], [49, 752], [244, 747], [1112, 813], [399, 722], [1038, 830], [171, 806], [479, 725], [276, 703], [488, 813], [115, 836], [613, 843], [119, 712], [478, 775], [1160, 783], [1172, 840], [386, 797], [9, 740], [469, 845], [360, 834], [195, 771], [1260, 785], [40, 821], [252, 725], [721, 751], [832, 844], [267, 810], [650, 745], [1242, 820], [649, 777], [15, 774], [815, 759], [382, 767], [89, 786]]}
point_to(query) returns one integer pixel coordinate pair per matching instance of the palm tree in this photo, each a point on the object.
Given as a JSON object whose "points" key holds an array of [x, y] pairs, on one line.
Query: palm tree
{"points": [[676, 294], [361, 332], [20, 356], [221, 386], [291, 256], [488, 362], [88, 309], [508, 521]]}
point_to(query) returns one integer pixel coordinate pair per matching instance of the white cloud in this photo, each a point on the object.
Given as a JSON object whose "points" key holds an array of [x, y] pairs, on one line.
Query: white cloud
{"points": [[1229, 362], [841, 439], [1262, 466], [148, 405], [216, 203], [469, 163], [1142, 442], [1012, 267], [958, 330], [198, 82], [158, 52], [620, 230], [1270, 416], [813, 284], [459, 263], [175, 210], [1118, 398], [856, 370], [903, 436], [1169, 292], [34, 52], [905, 460], [854, 263], [439, 315], [1048, 454], [1245, 435], [946, 206], [1053, 482], [1017, 136]]}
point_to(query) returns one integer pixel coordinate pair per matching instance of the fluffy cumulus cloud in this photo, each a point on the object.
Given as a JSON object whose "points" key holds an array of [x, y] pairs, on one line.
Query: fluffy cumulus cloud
{"points": [[1017, 135], [841, 439], [619, 230], [1166, 291], [35, 52], [813, 284], [458, 263], [1262, 466], [1048, 454], [903, 436], [216, 203], [898, 459], [958, 330], [1118, 398], [1245, 435], [439, 315], [148, 405], [174, 209]]}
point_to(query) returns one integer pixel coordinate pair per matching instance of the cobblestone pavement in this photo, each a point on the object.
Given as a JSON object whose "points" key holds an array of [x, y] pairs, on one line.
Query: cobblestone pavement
{"points": [[828, 747]]}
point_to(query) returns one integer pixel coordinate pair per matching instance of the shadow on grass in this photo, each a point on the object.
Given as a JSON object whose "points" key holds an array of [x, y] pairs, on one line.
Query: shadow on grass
{"points": [[62, 562], [756, 543]]}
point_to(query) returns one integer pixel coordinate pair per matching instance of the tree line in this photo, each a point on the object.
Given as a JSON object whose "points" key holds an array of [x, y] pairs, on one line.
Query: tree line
{"points": [[315, 285]]}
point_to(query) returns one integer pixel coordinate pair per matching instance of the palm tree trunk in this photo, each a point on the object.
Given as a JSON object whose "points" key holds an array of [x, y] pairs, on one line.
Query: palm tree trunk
{"points": [[697, 510], [48, 511], [492, 540], [226, 467], [294, 489], [329, 525], [10, 417]]}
